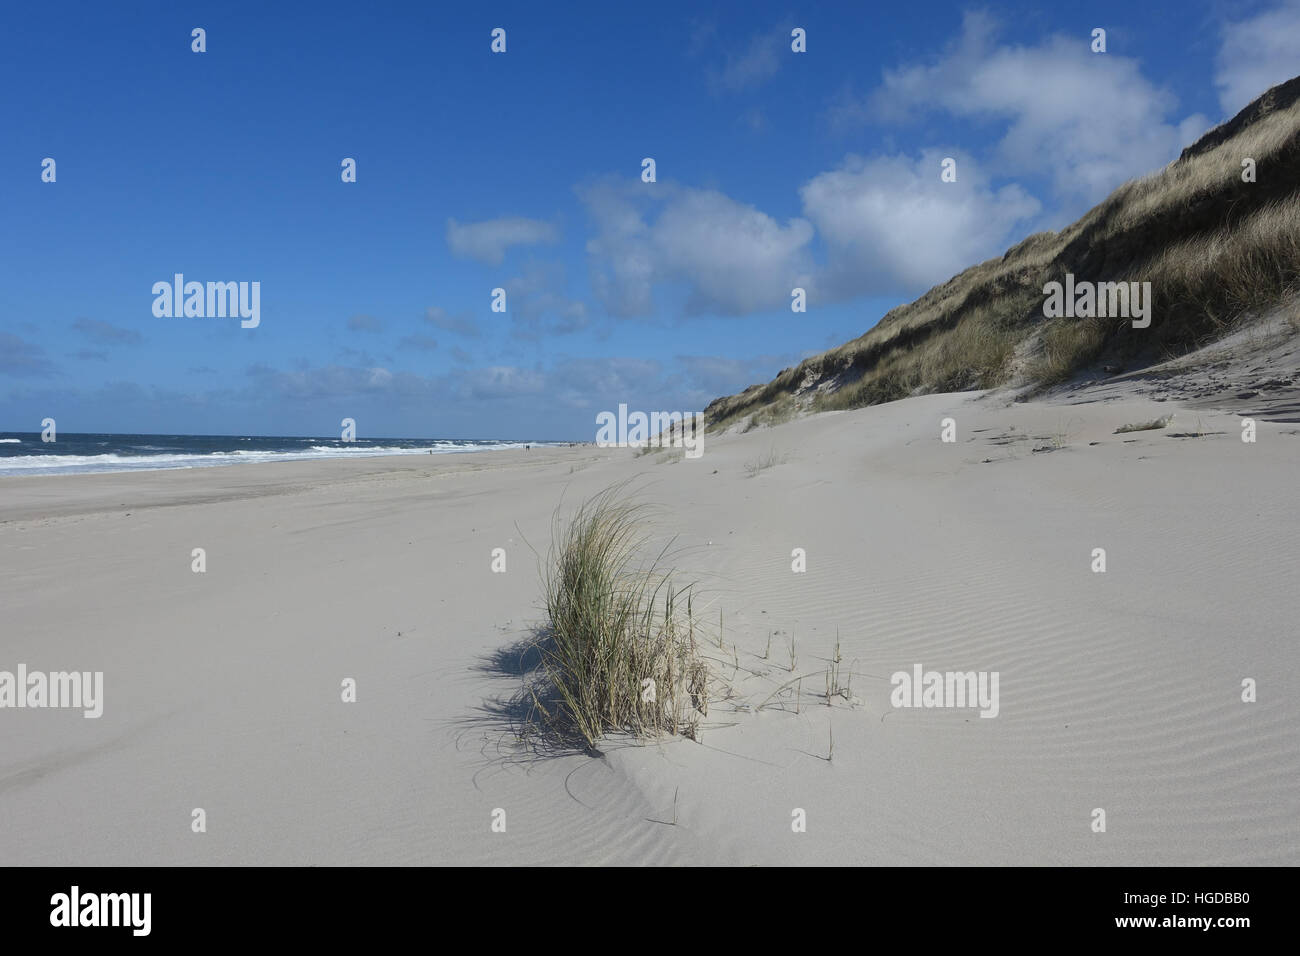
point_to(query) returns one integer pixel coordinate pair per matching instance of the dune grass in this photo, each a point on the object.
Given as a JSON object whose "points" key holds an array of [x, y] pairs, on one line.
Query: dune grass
{"points": [[620, 654], [779, 412], [756, 466]]}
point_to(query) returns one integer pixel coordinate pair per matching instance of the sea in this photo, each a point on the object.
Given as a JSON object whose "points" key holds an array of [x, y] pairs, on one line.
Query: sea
{"points": [[24, 453]]}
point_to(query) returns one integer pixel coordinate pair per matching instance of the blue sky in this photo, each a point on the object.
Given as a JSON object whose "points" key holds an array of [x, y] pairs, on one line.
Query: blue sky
{"points": [[522, 171]]}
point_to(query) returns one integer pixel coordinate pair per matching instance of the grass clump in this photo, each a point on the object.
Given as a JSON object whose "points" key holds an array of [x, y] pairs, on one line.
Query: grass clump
{"points": [[756, 466], [779, 412], [1067, 346], [620, 652]]}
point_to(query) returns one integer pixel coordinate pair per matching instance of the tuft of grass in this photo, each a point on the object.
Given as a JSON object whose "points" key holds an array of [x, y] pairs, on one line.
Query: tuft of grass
{"points": [[833, 688], [616, 620], [1293, 316], [1144, 426], [756, 466], [1067, 346]]}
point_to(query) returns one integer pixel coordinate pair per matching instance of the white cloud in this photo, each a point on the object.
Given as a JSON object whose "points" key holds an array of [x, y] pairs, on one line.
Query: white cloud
{"points": [[889, 221], [1088, 121], [1257, 53], [730, 257], [488, 241]]}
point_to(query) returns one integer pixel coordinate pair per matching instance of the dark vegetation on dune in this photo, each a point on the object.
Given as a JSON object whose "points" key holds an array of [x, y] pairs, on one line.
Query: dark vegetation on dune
{"points": [[1215, 249]]}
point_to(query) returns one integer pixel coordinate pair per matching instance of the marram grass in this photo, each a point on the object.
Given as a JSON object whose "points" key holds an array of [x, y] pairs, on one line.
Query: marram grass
{"points": [[621, 653]]}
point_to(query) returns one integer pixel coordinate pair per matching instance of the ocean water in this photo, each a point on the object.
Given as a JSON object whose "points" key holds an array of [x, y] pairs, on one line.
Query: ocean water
{"points": [[23, 453]]}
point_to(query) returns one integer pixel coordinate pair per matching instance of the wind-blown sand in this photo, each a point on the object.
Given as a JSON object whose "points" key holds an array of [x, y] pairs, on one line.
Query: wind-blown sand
{"points": [[1119, 691]]}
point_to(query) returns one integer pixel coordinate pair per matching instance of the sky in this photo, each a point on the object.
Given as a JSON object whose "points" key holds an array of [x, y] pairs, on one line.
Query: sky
{"points": [[523, 171]]}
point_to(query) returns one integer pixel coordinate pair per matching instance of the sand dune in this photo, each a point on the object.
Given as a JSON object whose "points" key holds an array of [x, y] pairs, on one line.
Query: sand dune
{"points": [[1119, 691]]}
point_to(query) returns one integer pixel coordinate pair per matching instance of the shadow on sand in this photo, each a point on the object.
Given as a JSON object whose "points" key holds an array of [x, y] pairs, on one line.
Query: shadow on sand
{"points": [[524, 719]]}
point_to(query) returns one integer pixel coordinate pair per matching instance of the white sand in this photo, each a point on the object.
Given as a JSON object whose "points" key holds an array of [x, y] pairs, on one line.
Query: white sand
{"points": [[1119, 691]]}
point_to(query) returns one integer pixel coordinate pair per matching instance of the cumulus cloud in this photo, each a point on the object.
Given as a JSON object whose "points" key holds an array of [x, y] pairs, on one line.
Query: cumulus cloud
{"points": [[890, 221], [1089, 122], [730, 257], [488, 241], [105, 333], [886, 223], [1256, 54]]}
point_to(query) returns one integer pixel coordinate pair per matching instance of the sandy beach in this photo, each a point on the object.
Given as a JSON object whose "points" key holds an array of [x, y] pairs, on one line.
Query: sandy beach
{"points": [[1119, 691]]}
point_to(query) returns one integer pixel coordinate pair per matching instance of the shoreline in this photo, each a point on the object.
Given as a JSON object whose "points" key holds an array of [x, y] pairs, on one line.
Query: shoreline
{"points": [[156, 463], [21, 496]]}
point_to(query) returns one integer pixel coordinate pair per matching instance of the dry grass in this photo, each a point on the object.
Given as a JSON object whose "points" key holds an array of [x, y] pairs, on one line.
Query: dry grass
{"points": [[1065, 347], [756, 466], [780, 411]]}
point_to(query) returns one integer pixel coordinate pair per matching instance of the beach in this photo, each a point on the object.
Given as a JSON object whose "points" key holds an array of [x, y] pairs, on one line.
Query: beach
{"points": [[1119, 690]]}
